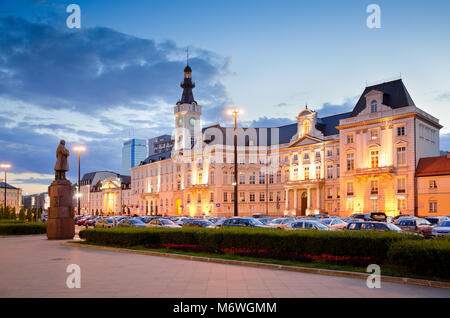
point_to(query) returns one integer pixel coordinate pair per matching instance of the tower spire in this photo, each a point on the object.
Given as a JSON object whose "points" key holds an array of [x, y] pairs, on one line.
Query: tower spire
{"points": [[187, 56], [187, 84]]}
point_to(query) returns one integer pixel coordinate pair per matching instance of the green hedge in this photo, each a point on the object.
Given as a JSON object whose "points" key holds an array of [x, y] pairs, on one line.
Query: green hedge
{"points": [[431, 258], [275, 243], [20, 228]]}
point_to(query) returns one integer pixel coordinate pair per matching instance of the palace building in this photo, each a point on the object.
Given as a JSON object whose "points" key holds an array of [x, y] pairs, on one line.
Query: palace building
{"points": [[361, 161]]}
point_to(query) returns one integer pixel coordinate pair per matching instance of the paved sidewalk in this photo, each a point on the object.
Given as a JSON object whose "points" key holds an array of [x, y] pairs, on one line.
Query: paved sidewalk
{"points": [[32, 266]]}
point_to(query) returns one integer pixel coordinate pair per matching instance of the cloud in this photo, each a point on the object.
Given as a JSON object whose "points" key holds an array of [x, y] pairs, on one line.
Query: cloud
{"points": [[329, 109], [444, 97], [271, 122], [92, 86]]}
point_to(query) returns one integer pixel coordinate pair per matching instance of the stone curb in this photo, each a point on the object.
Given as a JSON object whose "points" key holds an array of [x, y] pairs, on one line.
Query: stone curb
{"points": [[328, 272]]}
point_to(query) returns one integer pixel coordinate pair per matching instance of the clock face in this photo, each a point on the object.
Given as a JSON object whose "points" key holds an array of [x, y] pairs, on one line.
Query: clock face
{"points": [[180, 121], [192, 121]]}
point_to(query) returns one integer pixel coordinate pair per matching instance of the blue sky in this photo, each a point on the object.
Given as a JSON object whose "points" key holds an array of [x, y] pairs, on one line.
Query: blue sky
{"points": [[121, 70]]}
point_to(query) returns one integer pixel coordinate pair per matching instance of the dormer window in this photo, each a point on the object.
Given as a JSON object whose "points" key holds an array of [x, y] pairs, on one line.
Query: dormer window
{"points": [[306, 127], [373, 106]]}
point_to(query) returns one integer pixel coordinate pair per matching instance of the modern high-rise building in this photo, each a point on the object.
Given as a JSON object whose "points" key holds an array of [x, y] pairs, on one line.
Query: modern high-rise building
{"points": [[160, 144], [133, 152]]}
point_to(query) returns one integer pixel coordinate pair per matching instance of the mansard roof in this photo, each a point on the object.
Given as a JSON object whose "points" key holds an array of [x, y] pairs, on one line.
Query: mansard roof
{"points": [[395, 95], [157, 157]]}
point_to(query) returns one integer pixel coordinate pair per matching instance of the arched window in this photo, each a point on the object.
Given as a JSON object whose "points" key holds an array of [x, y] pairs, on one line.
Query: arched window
{"points": [[306, 127], [373, 106]]}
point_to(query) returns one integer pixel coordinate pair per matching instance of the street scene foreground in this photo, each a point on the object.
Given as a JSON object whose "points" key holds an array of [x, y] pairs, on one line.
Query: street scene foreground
{"points": [[37, 267]]}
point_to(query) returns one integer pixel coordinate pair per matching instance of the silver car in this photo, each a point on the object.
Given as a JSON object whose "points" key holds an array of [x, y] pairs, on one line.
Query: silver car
{"points": [[442, 229]]}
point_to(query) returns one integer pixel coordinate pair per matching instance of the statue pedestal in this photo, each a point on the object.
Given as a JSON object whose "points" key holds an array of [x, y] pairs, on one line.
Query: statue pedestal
{"points": [[60, 223]]}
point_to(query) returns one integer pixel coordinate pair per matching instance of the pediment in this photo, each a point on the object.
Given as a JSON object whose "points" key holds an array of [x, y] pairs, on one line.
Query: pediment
{"points": [[304, 141]]}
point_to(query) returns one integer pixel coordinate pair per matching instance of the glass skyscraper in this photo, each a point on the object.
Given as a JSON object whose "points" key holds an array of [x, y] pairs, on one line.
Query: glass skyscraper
{"points": [[133, 152]]}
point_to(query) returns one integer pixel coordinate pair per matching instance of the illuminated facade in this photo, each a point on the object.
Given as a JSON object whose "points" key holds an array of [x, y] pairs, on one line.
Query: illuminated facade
{"points": [[13, 196], [361, 161]]}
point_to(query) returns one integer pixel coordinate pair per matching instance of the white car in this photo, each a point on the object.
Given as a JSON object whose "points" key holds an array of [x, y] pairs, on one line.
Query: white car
{"points": [[307, 225], [442, 229], [334, 223]]}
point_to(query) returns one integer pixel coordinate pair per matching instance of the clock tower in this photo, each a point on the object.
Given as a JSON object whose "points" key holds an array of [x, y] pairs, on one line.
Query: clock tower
{"points": [[187, 115]]}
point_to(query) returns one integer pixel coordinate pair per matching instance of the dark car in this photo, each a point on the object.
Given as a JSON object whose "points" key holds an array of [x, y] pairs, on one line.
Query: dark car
{"points": [[416, 225], [244, 222], [378, 216], [361, 216], [401, 216], [436, 219], [375, 226], [258, 216], [199, 223]]}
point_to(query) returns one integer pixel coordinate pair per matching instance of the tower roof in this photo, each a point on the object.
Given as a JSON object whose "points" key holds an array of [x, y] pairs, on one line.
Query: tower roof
{"points": [[187, 85]]}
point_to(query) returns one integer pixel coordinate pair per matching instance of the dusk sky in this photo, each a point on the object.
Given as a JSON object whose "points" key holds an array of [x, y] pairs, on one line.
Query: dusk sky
{"points": [[119, 74]]}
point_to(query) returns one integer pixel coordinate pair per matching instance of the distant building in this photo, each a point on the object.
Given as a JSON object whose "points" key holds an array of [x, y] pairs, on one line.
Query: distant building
{"points": [[160, 144], [36, 201], [13, 196], [433, 185], [105, 192], [133, 152]]}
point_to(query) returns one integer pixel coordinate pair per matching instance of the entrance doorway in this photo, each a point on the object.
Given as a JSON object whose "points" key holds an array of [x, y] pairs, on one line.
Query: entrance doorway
{"points": [[304, 204], [178, 207]]}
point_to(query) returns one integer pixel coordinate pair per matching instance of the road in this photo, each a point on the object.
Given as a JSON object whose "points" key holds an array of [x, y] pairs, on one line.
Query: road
{"points": [[32, 266]]}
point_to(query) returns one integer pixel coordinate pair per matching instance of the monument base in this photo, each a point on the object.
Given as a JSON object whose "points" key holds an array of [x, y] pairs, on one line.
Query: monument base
{"points": [[60, 222]]}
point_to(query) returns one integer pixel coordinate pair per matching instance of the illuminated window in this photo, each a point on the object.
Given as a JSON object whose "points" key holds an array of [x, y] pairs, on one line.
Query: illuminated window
{"points": [[262, 197], [401, 185], [262, 177], [329, 193], [374, 206], [350, 139], [306, 172], [211, 197], [252, 178], [242, 196], [401, 204], [350, 188], [241, 178], [306, 127], [317, 171], [271, 196], [330, 172], [374, 134], [296, 173], [432, 184], [225, 178], [225, 197], [374, 158], [252, 197], [350, 161], [374, 187]]}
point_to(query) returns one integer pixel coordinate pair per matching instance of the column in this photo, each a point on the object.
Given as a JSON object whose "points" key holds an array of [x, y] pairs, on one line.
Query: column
{"points": [[286, 203], [295, 200], [309, 199], [318, 198]]}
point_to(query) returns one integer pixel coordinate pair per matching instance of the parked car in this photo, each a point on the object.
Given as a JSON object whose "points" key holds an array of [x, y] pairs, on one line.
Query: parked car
{"points": [[361, 216], [91, 221], [375, 226], [401, 216], [244, 222], [162, 223], [266, 220], [307, 225], [81, 221], [436, 219], [200, 223], [378, 216], [104, 223], [416, 225], [180, 221], [280, 223], [258, 215], [442, 229], [334, 223], [130, 223]]}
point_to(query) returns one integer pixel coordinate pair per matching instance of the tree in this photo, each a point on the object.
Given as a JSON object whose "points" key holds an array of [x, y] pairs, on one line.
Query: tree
{"points": [[13, 215], [29, 215], [1, 212], [22, 215], [7, 213], [39, 214]]}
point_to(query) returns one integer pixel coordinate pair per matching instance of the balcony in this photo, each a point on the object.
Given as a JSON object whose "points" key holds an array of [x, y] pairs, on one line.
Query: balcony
{"points": [[316, 182], [371, 172], [198, 187]]}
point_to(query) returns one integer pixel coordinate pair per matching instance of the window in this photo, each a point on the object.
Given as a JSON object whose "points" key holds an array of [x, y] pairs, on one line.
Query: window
{"points": [[330, 172], [350, 188], [432, 184], [317, 154], [374, 134], [279, 176], [330, 207], [225, 197], [295, 173], [401, 204], [225, 178], [232, 196], [401, 131], [262, 197], [374, 206], [373, 106], [211, 177], [306, 156], [374, 158], [271, 196], [295, 157], [262, 177], [252, 178], [329, 193], [252, 197], [242, 196], [317, 171], [211, 197], [338, 192], [432, 206], [338, 170], [350, 139], [306, 127], [401, 185], [271, 178], [241, 178], [374, 187], [199, 198], [350, 161], [329, 152], [401, 156], [306, 171]]}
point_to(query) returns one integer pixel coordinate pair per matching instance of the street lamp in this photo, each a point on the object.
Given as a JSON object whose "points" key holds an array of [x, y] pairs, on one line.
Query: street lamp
{"points": [[5, 166], [235, 112], [79, 149]]}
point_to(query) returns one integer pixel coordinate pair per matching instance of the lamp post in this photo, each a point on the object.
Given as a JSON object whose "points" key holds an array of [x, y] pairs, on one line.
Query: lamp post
{"points": [[79, 149], [5, 166], [235, 112]]}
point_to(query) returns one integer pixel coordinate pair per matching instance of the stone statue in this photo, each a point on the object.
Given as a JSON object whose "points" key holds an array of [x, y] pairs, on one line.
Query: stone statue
{"points": [[62, 161]]}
